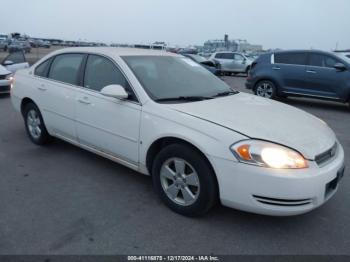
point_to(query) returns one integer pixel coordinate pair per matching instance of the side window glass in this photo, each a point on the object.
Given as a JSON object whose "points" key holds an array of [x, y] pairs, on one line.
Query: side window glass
{"points": [[65, 68], [42, 69], [330, 61], [101, 72], [16, 58], [238, 57], [316, 60], [218, 56], [291, 58], [321, 60], [230, 56]]}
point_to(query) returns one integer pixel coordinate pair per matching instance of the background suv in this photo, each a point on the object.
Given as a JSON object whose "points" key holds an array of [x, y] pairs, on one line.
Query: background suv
{"points": [[311, 73], [232, 62]]}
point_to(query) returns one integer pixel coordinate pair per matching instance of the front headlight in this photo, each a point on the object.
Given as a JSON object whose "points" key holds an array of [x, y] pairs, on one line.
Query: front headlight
{"points": [[11, 78], [266, 154]]}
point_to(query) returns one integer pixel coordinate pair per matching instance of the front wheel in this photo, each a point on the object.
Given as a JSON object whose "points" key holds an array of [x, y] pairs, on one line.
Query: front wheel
{"points": [[265, 89], [184, 180]]}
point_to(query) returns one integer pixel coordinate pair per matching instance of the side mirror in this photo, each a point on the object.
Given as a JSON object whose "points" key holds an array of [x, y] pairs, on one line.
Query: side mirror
{"points": [[8, 63], [340, 67], [115, 91]]}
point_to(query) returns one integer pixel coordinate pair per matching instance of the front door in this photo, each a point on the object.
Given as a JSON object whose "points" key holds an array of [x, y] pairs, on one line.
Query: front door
{"points": [[239, 63], [322, 78], [15, 61], [107, 124]]}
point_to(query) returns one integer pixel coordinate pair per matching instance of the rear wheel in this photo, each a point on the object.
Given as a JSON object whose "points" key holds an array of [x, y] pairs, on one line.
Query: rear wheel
{"points": [[184, 180], [265, 89], [35, 126]]}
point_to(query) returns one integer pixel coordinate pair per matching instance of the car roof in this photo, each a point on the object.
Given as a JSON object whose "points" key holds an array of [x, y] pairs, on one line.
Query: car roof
{"points": [[115, 51], [302, 51]]}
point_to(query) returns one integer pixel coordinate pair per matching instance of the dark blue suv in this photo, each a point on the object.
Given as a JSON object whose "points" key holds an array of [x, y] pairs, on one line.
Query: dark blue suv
{"points": [[310, 73]]}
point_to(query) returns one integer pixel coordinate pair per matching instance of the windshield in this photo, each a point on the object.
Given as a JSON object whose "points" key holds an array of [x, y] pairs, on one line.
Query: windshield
{"points": [[344, 56], [166, 77]]}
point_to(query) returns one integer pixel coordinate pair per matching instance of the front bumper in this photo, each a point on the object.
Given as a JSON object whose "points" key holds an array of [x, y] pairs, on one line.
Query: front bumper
{"points": [[5, 86], [277, 192]]}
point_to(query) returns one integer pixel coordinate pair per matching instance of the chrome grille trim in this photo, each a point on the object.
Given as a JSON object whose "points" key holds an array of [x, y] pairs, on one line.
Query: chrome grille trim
{"points": [[282, 202]]}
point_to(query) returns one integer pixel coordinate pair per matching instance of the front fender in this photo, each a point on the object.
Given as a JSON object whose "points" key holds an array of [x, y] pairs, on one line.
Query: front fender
{"points": [[211, 139]]}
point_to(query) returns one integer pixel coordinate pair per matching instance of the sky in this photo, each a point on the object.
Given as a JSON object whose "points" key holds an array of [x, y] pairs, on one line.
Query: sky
{"points": [[286, 24]]}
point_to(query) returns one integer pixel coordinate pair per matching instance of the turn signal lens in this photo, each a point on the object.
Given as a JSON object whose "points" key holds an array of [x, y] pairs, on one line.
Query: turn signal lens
{"points": [[243, 151]]}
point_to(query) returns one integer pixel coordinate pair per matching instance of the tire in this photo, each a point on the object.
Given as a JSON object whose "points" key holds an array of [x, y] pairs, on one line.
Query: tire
{"points": [[265, 88], [199, 179], [33, 123]]}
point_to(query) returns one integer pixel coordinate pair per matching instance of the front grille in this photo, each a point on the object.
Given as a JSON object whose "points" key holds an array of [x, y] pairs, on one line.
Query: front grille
{"points": [[2, 77], [326, 156], [282, 202]]}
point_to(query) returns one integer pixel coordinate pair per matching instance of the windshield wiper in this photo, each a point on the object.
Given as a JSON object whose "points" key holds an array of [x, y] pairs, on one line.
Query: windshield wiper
{"points": [[184, 98], [226, 93]]}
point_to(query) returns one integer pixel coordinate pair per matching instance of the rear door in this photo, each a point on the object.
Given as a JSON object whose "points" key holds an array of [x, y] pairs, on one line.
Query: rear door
{"points": [[290, 68], [57, 89], [15, 61], [322, 78]]}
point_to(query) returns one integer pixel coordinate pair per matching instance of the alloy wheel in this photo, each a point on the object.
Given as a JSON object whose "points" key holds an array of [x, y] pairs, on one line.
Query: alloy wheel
{"points": [[180, 181], [33, 123], [265, 90]]}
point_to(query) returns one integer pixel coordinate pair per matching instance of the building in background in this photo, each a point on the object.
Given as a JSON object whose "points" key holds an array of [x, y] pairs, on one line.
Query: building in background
{"points": [[237, 45], [218, 45]]}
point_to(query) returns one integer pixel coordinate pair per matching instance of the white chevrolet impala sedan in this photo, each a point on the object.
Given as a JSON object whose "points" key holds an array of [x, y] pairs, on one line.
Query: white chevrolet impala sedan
{"points": [[163, 115]]}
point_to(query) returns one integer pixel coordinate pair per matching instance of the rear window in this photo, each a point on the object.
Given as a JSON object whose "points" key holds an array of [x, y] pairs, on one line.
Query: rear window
{"points": [[65, 68], [291, 58]]}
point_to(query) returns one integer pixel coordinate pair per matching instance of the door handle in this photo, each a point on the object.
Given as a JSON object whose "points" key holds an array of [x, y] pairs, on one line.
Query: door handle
{"points": [[276, 68], [311, 71], [42, 88], [84, 101]]}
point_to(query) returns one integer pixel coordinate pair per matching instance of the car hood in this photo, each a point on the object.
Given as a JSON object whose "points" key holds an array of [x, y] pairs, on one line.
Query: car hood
{"points": [[4, 71], [265, 119]]}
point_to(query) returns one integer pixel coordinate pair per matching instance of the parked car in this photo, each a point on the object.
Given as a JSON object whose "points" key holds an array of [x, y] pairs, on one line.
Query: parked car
{"points": [[231, 62], [3, 45], [19, 45], [159, 115], [311, 73], [35, 43], [209, 65], [6, 80], [10, 65]]}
